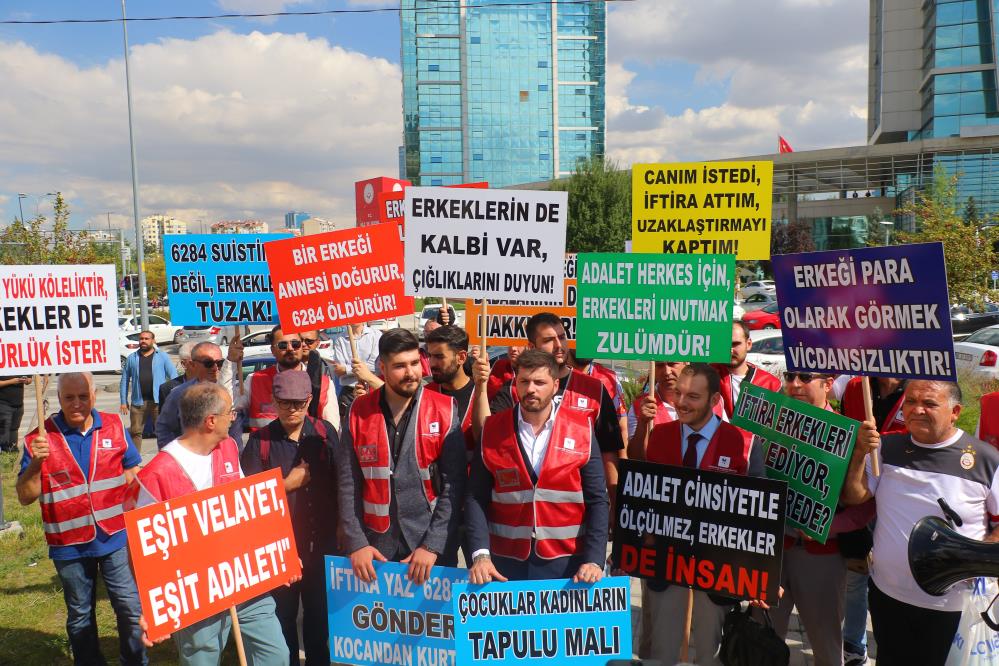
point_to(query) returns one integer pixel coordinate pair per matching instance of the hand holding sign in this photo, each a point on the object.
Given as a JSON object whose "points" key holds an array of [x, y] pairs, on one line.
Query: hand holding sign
{"points": [[420, 562], [484, 571], [360, 562]]}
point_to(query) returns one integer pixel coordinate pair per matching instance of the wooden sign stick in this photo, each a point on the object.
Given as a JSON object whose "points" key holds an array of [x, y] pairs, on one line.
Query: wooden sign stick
{"points": [[237, 636], [869, 415]]}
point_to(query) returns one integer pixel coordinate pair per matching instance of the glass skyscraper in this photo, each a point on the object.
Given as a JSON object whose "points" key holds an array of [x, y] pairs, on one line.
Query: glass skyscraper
{"points": [[933, 76], [501, 93]]}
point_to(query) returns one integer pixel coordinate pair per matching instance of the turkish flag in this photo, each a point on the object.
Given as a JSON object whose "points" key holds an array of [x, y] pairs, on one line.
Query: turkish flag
{"points": [[783, 146]]}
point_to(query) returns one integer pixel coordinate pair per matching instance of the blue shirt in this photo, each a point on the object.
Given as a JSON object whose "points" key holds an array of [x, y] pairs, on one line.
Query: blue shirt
{"points": [[79, 445], [706, 433]]}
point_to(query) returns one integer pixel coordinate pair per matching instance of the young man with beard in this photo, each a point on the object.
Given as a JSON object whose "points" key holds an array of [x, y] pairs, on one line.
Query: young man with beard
{"points": [[813, 574], [257, 402], [146, 369], [401, 468], [575, 389], [740, 370], [697, 439], [537, 505], [302, 447], [447, 348]]}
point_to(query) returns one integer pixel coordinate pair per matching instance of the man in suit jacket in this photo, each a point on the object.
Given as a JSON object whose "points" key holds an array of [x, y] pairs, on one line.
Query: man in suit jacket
{"points": [[537, 503], [700, 439], [401, 468]]}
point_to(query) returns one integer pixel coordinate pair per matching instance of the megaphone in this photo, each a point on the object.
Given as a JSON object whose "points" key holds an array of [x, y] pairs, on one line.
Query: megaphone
{"points": [[939, 558]]}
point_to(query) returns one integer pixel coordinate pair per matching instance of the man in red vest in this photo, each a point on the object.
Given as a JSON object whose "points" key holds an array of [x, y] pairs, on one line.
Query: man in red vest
{"points": [[887, 396], [740, 370], [546, 331], [700, 439], [257, 402], [988, 419], [537, 505], [78, 471], [813, 575], [205, 456], [447, 347], [612, 385], [401, 468]]}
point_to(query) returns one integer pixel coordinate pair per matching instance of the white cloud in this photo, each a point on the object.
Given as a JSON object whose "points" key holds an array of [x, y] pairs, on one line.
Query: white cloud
{"points": [[791, 67], [227, 126]]}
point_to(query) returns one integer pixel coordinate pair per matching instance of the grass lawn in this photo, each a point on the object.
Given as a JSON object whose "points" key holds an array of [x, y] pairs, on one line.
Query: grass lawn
{"points": [[32, 610]]}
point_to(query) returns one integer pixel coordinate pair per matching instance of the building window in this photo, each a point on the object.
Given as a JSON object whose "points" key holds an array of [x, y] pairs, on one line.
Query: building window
{"points": [[434, 159], [542, 87], [477, 157], [433, 68], [436, 181], [525, 96], [475, 40], [542, 134], [542, 64], [543, 157]]}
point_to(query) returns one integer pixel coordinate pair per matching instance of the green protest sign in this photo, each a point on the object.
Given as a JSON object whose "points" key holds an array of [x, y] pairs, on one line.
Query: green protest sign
{"points": [[807, 446], [651, 307]]}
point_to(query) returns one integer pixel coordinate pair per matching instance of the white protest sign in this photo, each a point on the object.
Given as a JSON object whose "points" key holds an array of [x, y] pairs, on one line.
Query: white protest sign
{"points": [[58, 319], [494, 244]]}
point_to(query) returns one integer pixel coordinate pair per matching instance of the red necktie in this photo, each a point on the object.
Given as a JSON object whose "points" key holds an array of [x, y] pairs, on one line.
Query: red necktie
{"points": [[690, 455]]}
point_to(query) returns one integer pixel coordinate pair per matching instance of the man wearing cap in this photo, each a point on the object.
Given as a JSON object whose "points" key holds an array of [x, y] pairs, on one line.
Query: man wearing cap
{"points": [[302, 447], [257, 400]]}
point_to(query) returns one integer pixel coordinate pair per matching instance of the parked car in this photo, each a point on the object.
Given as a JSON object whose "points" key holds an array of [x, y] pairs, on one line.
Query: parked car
{"points": [[164, 331], [965, 320], [978, 354], [768, 351], [759, 287], [220, 335], [758, 301], [128, 344], [764, 318]]}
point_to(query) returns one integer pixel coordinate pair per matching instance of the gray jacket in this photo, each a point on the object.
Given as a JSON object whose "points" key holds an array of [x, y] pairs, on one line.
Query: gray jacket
{"points": [[414, 522]]}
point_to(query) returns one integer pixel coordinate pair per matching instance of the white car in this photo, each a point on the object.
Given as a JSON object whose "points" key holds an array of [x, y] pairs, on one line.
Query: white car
{"points": [[128, 344], [768, 352], [759, 287], [431, 312], [978, 354], [164, 331]]}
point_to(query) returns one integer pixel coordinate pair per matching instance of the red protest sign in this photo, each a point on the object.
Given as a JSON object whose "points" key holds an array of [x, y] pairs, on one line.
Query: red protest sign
{"points": [[341, 277], [197, 555]]}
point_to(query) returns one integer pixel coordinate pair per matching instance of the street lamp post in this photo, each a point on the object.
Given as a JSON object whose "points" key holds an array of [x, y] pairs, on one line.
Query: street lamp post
{"points": [[888, 224], [139, 250]]}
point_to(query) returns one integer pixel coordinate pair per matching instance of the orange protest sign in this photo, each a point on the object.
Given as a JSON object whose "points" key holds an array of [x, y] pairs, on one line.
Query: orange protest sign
{"points": [[197, 555], [341, 277], [507, 319]]}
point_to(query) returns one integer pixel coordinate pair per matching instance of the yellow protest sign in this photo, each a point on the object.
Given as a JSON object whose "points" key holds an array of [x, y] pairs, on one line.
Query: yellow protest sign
{"points": [[702, 208]]}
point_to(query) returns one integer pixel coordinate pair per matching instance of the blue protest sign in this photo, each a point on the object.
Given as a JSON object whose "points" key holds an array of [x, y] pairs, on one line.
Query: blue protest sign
{"points": [[391, 620], [869, 311], [577, 624], [219, 279]]}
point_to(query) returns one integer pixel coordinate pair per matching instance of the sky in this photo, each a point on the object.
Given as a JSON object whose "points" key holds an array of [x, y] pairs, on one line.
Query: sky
{"points": [[250, 118]]}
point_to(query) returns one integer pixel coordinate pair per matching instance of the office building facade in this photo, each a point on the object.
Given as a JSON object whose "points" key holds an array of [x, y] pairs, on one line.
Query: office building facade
{"points": [[501, 93], [933, 76], [155, 227], [293, 219]]}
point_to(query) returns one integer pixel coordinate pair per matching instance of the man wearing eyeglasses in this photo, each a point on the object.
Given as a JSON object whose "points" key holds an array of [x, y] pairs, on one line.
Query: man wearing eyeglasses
{"points": [[302, 447], [205, 456], [206, 366], [257, 400], [813, 575]]}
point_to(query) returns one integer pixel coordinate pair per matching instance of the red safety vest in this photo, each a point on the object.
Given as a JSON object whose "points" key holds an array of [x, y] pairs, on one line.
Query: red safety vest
{"points": [[756, 376], [72, 507], [501, 373], [582, 393], [551, 511], [164, 478], [988, 423], [728, 450], [662, 414], [466, 420], [608, 378], [853, 406], [262, 410], [371, 446]]}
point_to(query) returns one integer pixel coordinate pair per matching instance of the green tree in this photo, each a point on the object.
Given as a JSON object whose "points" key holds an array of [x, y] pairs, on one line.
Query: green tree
{"points": [[599, 206], [971, 215], [155, 274], [968, 251], [792, 237], [30, 242]]}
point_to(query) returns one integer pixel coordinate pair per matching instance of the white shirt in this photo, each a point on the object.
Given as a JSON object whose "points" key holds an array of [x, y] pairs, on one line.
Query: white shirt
{"points": [[367, 351], [535, 445], [736, 381], [904, 495], [198, 467], [706, 433]]}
